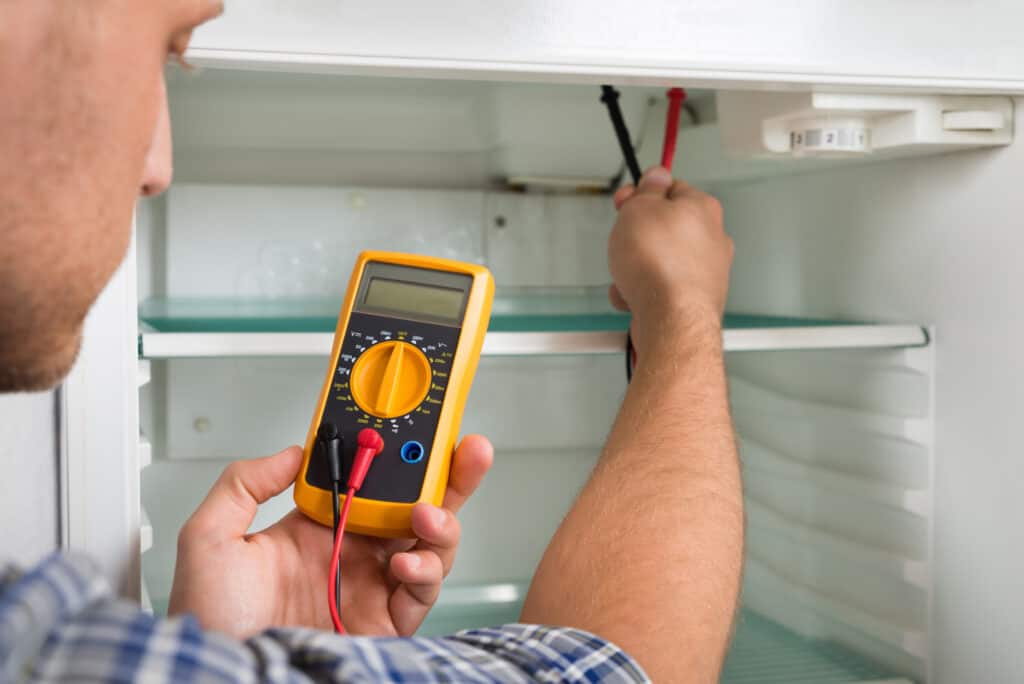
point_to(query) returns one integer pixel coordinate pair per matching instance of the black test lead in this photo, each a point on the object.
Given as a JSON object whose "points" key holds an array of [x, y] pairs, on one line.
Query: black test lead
{"points": [[610, 97]]}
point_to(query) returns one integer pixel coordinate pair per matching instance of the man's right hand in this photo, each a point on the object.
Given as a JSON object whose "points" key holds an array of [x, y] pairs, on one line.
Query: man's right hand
{"points": [[669, 256]]}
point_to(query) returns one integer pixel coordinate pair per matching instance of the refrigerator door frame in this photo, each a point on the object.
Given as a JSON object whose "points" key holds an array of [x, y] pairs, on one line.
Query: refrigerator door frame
{"points": [[100, 508]]}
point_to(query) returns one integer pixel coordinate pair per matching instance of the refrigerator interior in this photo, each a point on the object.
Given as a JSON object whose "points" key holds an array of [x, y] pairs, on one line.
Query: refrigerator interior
{"points": [[283, 178]]}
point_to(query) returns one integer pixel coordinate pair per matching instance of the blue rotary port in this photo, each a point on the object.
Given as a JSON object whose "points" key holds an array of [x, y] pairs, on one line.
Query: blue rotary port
{"points": [[412, 452]]}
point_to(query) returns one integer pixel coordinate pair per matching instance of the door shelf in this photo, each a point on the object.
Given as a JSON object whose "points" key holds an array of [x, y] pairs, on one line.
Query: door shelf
{"points": [[558, 321], [145, 533]]}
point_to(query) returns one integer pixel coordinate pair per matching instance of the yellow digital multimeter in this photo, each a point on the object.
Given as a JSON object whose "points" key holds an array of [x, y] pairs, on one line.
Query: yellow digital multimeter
{"points": [[405, 350]]}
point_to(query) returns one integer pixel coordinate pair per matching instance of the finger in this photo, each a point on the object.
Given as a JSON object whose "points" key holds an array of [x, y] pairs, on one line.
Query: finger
{"points": [[623, 194], [656, 181], [421, 570], [472, 460], [616, 298], [438, 531], [679, 189], [413, 599], [231, 505]]}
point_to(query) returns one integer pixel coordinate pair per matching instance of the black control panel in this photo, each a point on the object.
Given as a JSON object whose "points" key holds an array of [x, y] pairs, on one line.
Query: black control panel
{"points": [[397, 474]]}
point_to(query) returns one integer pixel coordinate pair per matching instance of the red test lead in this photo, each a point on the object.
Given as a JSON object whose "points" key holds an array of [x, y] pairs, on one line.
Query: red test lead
{"points": [[676, 97], [369, 444]]}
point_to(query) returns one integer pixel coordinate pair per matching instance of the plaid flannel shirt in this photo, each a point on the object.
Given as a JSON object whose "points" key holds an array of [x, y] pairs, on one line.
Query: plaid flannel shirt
{"points": [[60, 622]]}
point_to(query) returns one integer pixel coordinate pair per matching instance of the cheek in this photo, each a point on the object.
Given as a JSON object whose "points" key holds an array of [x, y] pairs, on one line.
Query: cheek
{"points": [[80, 128], [89, 161], [110, 238], [110, 166]]}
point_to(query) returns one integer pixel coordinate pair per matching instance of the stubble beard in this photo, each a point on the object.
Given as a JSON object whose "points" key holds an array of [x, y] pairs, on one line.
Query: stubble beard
{"points": [[44, 369]]}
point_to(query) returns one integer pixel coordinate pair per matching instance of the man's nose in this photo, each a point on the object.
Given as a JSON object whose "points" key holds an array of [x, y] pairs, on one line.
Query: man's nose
{"points": [[156, 174]]}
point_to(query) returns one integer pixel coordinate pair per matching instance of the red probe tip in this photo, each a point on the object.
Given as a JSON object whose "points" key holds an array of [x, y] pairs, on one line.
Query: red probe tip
{"points": [[675, 103]]}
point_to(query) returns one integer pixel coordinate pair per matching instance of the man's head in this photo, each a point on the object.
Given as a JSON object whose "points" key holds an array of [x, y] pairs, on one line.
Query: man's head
{"points": [[83, 131]]}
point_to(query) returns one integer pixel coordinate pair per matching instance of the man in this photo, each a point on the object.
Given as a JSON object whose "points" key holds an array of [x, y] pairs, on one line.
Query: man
{"points": [[648, 558]]}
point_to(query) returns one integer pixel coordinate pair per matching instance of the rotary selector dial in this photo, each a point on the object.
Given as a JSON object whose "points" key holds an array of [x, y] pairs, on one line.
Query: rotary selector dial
{"points": [[390, 379]]}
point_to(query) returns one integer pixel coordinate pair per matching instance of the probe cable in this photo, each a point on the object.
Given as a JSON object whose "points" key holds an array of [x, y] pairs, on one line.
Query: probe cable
{"points": [[610, 97], [334, 588], [369, 444], [336, 490]]}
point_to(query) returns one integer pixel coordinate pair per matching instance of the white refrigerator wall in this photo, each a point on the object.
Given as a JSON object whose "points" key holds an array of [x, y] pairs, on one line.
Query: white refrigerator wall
{"points": [[936, 240], [836, 453]]}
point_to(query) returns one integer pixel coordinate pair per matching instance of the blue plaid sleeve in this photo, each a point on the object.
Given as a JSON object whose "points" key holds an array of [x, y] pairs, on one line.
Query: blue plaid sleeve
{"points": [[59, 622]]}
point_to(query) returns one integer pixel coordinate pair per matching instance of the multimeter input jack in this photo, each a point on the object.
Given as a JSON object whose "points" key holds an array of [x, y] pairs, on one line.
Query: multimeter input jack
{"points": [[412, 452]]}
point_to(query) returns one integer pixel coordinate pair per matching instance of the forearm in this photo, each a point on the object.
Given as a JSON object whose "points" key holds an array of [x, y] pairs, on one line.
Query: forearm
{"points": [[650, 555]]}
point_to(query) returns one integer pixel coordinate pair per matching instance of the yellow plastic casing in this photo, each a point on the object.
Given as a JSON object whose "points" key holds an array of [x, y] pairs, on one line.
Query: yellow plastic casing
{"points": [[391, 519]]}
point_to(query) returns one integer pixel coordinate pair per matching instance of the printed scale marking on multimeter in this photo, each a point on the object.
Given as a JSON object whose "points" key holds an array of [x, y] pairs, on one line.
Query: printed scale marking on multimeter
{"points": [[404, 358]]}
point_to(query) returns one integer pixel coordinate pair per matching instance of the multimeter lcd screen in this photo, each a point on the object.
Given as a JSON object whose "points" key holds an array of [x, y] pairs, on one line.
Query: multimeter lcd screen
{"points": [[414, 298]]}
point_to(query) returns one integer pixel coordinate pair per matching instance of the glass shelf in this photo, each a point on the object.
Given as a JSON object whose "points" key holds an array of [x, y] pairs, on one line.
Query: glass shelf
{"points": [[524, 321], [520, 310], [762, 652], [223, 315], [765, 652]]}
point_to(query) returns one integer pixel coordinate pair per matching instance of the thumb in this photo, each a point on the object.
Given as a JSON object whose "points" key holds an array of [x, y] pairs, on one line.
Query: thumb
{"points": [[230, 507], [656, 181]]}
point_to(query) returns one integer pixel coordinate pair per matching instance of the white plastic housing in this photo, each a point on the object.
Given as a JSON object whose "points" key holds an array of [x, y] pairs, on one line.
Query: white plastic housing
{"points": [[757, 124]]}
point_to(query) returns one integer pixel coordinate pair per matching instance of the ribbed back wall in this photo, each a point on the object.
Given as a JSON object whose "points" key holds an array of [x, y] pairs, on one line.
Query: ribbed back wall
{"points": [[836, 450]]}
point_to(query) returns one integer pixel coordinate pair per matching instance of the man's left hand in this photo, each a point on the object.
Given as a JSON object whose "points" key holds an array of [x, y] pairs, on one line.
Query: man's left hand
{"points": [[242, 583]]}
